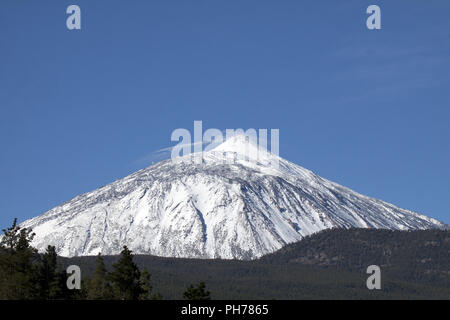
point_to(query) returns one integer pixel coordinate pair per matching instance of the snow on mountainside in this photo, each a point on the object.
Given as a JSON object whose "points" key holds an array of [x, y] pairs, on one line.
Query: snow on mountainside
{"points": [[243, 209]]}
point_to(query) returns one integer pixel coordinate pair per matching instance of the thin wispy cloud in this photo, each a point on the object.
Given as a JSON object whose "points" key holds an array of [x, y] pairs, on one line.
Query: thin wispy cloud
{"points": [[164, 154]]}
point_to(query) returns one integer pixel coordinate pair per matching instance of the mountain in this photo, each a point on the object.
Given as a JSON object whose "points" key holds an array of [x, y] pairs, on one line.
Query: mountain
{"points": [[217, 208]]}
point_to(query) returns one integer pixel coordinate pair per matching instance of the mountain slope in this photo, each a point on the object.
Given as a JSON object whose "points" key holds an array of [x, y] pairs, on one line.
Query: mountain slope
{"points": [[213, 209]]}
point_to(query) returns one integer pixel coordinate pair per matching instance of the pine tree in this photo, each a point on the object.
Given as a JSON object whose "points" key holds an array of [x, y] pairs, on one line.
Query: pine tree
{"points": [[197, 293], [52, 280], [17, 272], [16, 239], [145, 286], [24, 274], [10, 237], [157, 296], [98, 288], [125, 277]]}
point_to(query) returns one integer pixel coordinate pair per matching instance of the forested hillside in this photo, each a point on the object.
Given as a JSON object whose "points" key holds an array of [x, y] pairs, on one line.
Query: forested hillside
{"points": [[328, 265]]}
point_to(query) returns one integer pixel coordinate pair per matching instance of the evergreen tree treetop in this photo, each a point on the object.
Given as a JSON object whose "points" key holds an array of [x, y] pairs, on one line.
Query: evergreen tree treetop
{"points": [[125, 277], [197, 293], [99, 288]]}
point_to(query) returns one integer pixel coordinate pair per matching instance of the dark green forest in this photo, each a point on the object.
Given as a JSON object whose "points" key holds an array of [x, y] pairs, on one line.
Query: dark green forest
{"points": [[27, 275], [328, 265]]}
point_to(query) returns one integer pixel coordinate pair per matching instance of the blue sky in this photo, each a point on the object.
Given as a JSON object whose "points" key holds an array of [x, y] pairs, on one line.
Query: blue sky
{"points": [[367, 109]]}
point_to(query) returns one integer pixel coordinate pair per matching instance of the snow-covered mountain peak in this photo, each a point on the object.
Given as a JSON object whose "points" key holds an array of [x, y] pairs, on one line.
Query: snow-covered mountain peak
{"points": [[247, 151], [239, 143], [215, 208]]}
